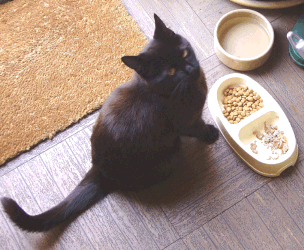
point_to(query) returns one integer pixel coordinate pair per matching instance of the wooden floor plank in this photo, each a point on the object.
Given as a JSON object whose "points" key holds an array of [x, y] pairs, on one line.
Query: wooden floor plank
{"points": [[277, 220], [102, 230], [144, 21], [217, 201], [192, 25], [282, 44], [300, 166], [207, 7], [153, 218], [289, 190], [209, 63], [7, 239], [46, 192], [80, 145], [292, 15], [13, 185], [249, 228], [129, 222], [210, 21], [178, 245], [199, 240], [155, 6], [63, 167], [221, 234], [202, 184]]}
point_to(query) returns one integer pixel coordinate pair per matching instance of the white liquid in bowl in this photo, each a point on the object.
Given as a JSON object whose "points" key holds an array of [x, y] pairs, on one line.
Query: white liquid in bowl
{"points": [[244, 37]]}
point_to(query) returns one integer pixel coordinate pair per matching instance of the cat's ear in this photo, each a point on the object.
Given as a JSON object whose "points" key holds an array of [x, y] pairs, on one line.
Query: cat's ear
{"points": [[133, 62], [161, 31]]}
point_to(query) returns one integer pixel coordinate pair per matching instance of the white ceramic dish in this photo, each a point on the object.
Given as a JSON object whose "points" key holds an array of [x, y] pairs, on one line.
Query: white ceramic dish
{"points": [[240, 135], [269, 4], [243, 39]]}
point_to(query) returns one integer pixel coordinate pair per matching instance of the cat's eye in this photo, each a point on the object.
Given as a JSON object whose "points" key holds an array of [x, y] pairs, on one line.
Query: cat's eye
{"points": [[171, 72], [185, 53]]}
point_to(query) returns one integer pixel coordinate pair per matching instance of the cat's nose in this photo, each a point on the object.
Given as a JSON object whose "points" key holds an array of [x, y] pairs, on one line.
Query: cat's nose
{"points": [[189, 69]]}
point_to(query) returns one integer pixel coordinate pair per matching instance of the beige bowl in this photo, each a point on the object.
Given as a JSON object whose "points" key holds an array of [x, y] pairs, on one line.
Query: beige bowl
{"points": [[243, 39]]}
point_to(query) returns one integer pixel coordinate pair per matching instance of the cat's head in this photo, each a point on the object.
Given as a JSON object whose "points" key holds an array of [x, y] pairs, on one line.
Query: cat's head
{"points": [[166, 61]]}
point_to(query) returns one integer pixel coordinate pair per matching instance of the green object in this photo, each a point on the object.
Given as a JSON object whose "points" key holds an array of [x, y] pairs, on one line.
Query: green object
{"points": [[298, 29]]}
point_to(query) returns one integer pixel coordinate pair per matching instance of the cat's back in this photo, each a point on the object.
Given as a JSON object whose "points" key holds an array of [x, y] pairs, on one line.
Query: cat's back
{"points": [[132, 109]]}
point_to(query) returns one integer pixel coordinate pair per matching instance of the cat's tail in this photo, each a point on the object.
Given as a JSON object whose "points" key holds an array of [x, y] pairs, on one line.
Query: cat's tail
{"points": [[90, 190]]}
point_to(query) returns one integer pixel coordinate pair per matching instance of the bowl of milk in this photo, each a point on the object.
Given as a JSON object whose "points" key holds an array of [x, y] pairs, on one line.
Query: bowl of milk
{"points": [[243, 39]]}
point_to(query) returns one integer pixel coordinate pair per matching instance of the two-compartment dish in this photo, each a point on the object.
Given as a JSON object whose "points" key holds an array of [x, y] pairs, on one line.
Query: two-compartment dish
{"points": [[263, 138]]}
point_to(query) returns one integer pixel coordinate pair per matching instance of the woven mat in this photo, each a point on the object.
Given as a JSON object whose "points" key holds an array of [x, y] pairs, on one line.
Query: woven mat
{"points": [[59, 60]]}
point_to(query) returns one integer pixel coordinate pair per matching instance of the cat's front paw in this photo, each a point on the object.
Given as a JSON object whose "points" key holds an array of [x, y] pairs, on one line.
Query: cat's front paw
{"points": [[212, 135]]}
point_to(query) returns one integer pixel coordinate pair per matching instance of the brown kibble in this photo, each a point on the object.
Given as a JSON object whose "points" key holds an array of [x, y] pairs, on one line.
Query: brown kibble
{"points": [[261, 104], [239, 102]]}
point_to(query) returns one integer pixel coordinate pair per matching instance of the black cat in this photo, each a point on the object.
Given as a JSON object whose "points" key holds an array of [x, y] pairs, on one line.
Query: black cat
{"points": [[138, 130]]}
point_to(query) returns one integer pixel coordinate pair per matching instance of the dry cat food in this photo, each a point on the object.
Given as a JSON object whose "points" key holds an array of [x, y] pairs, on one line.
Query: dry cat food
{"points": [[240, 102], [273, 139]]}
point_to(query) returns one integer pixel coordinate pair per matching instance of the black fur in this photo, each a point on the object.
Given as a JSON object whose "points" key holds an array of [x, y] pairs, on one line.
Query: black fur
{"points": [[5, 1], [138, 129]]}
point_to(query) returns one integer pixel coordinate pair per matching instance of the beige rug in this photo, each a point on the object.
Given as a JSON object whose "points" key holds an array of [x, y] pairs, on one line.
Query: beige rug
{"points": [[59, 60]]}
